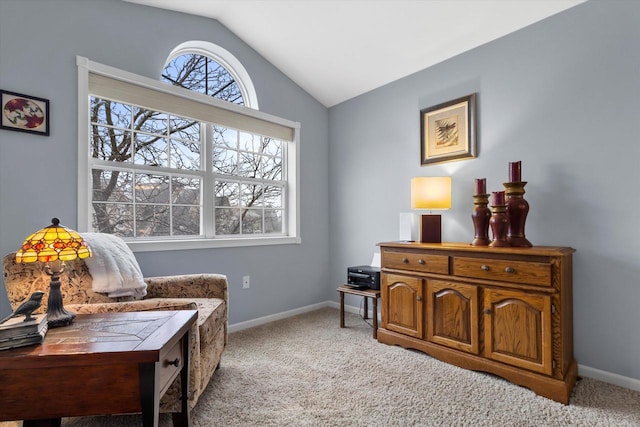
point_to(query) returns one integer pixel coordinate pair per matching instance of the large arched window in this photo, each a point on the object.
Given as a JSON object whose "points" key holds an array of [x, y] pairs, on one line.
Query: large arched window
{"points": [[168, 168]]}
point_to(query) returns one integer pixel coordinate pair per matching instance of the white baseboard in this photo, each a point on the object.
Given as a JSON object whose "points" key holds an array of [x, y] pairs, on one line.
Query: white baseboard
{"points": [[609, 377], [584, 371], [278, 316]]}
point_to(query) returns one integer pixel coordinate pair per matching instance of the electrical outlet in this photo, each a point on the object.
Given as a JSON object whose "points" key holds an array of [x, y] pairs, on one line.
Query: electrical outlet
{"points": [[246, 282]]}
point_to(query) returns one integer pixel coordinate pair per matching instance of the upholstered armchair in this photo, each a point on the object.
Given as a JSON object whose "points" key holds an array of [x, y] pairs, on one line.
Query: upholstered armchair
{"points": [[205, 292]]}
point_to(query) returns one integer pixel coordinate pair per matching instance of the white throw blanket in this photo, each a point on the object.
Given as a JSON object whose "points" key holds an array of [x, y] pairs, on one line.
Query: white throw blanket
{"points": [[113, 266]]}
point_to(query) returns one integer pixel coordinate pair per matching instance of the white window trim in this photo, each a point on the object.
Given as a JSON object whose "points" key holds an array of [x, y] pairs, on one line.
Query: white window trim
{"points": [[224, 58], [85, 66]]}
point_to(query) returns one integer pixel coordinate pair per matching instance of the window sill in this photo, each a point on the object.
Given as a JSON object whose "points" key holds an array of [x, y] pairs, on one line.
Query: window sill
{"points": [[186, 244]]}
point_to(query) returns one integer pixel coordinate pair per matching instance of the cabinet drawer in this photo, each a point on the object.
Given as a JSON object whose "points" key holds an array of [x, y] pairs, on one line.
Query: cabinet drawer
{"points": [[170, 365], [415, 261], [532, 273]]}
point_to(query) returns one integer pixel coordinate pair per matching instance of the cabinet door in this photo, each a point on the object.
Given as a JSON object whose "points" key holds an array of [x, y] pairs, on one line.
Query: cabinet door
{"points": [[402, 304], [452, 314], [518, 329]]}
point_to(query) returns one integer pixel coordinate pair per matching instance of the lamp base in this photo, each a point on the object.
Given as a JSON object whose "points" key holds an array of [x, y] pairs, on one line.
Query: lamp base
{"points": [[431, 229], [56, 314]]}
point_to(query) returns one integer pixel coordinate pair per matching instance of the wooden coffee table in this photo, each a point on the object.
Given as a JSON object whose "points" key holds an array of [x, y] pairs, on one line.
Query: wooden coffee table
{"points": [[110, 363]]}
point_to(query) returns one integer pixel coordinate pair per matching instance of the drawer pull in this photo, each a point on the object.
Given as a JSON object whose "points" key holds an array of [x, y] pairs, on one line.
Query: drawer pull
{"points": [[486, 311], [175, 362], [484, 267], [405, 260], [421, 261], [509, 270], [419, 298]]}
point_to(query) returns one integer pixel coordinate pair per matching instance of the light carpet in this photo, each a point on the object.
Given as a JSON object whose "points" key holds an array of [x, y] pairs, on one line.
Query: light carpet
{"points": [[307, 371]]}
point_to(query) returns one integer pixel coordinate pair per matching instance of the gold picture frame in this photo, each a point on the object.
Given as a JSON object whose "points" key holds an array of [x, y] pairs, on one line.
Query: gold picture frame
{"points": [[448, 131]]}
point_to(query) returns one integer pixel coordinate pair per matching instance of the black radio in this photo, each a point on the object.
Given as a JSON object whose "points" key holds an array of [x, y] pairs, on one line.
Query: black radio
{"points": [[363, 276]]}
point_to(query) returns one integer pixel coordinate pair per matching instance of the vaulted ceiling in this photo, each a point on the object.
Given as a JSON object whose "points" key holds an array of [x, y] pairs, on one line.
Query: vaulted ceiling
{"points": [[339, 49]]}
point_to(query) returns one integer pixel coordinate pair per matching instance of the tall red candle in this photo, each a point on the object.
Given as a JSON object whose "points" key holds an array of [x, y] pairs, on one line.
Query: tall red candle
{"points": [[481, 186], [497, 198], [515, 171]]}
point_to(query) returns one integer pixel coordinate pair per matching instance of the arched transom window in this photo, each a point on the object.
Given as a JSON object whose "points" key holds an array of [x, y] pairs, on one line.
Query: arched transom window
{"points": [[211, 70], [203, 74]]}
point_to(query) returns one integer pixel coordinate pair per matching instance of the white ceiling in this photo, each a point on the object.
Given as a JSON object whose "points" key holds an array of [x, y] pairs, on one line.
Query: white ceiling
{"points": [[338, 49]]}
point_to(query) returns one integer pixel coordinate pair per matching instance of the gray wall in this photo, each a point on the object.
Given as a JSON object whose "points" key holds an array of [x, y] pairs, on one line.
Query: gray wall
{"points": [[39, 41], [562, 96]]}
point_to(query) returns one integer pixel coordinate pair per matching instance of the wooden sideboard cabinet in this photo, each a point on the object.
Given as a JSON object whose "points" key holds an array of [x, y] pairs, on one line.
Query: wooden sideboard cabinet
{"points": [[507, 311]]}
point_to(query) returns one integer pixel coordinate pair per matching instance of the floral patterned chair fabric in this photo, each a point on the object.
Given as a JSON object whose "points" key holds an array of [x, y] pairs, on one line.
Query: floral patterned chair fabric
{"points": [[207, 293]]}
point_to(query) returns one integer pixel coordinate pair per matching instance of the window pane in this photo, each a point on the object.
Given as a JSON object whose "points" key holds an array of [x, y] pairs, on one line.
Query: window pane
{"points": [[249, 142], [186, 220], [273, 220], [272, 197], [183, 128], [225, 137], [249, 165], [185, 155], [251, 195], [225, 161], [150, 121], [152, 220], [227, 221], [152, 188], [111, 113], [112, 186], [252, 221], [272, 168], [272, 147], [187, 71], [221, 84], [185, 191], [110, 144], [227, 193], [113, 218], [150, 150]]}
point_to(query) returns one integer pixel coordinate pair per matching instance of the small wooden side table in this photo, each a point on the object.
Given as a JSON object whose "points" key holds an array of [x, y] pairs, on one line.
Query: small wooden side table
{"points": [[107, 363], [366, 293]]}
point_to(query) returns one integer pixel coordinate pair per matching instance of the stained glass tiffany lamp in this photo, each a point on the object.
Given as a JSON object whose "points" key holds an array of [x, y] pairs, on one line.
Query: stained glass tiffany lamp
{"points": [[53, 245]]}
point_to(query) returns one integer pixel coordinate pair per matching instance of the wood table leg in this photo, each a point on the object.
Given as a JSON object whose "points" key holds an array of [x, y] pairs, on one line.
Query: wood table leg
{"points": [[375, 317], [342, 309], [53, 422], [183, 418], [149, 399], [366, 308]]}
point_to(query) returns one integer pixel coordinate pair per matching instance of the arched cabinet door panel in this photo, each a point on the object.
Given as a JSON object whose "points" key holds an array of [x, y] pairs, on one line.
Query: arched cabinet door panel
{"points": [[518, 329], [402, 310], [452, 314]]}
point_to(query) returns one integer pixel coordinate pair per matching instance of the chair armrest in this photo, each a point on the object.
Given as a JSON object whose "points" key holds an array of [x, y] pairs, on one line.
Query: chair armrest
{"points": [[188, 286], [126, 306]]}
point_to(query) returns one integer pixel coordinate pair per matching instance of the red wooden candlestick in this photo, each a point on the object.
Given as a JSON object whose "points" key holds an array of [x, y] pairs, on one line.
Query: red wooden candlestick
{"points": [[499, 225], [497, 198], [481, 216], [517, 210]]}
